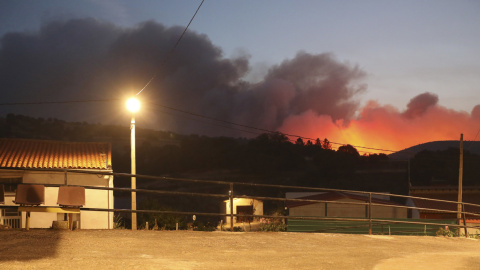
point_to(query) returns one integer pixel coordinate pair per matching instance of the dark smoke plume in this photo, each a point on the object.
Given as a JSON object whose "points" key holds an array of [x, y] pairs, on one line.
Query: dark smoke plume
{"points": [[476, 112], [89, 59], [420, 104]]}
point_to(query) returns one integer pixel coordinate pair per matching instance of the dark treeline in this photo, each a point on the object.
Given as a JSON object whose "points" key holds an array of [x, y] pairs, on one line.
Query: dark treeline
{"points": [[442, 168], [268, 158]]}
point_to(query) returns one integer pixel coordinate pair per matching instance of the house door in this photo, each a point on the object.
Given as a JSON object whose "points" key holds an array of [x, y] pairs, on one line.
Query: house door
{"points": [[244, 210]]}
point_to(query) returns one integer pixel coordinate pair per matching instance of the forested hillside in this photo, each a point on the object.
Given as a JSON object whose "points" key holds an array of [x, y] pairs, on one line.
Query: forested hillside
{"points": [[268, 158]]}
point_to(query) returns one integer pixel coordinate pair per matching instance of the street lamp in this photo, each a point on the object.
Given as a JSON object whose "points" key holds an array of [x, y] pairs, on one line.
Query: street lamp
{"points": [[133, 105]]}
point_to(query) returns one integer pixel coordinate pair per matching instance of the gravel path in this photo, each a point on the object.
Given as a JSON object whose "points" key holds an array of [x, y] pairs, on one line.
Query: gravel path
{"points": [[124, 249]]}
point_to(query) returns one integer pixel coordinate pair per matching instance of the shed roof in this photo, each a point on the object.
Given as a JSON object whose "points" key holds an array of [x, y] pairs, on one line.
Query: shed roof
{"points": [[43, 154], [334, 196], [470, 195]]}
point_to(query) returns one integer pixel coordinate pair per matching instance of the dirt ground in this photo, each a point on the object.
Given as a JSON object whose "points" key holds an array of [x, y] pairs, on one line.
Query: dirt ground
{"points": [[124, 249]]}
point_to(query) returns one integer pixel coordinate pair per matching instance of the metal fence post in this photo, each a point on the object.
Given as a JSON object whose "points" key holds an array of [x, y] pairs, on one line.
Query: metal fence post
{"points": [[230, 194], [27, 221], [370, 213], [464, 220]]}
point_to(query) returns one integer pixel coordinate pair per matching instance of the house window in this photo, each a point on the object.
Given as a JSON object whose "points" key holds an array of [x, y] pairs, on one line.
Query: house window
{"points": [[9, 212], [244, 210], [10, 216], [10, 184]]}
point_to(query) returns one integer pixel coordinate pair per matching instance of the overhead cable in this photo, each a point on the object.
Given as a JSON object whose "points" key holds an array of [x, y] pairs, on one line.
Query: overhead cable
{"points": [[196, 115], [173, 49], [262, 129]]}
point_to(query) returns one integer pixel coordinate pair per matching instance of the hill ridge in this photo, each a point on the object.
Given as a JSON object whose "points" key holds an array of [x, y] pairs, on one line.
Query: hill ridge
{"points": [[407, 153]]}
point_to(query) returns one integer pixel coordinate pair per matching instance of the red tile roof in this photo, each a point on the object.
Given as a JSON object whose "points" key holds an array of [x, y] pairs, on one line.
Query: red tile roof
{"points": [[41, 154]]}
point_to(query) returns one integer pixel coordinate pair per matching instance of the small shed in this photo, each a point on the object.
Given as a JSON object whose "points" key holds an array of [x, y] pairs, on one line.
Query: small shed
{"points": [[242, 206], [448, 193], [428, 209], [19, 156]]}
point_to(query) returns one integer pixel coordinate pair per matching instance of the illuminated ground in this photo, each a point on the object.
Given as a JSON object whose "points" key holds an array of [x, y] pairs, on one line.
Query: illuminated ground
{"points": [[123, 249]]}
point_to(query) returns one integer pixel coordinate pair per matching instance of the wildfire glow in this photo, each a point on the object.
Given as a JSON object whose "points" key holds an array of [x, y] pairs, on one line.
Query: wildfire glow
{"points": [[385, 127]]}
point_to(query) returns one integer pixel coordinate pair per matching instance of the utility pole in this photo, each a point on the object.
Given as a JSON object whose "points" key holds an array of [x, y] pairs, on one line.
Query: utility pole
{"points": [[133, 172], [460, 182], [133, 105]]}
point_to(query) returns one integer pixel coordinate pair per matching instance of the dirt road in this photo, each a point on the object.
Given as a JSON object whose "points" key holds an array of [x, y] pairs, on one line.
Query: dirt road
{"points": [[124, 249]]}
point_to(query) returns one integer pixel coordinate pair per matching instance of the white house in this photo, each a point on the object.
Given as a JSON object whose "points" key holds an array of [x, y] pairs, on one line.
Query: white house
{"points": [[20, 157]]}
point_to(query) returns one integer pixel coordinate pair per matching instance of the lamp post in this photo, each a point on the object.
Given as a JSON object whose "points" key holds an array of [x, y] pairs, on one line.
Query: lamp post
{"points": [[133, 105]]}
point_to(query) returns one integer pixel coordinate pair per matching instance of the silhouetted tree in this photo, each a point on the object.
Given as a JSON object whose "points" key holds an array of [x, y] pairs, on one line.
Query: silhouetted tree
{"points": [[349, 150], [442, 168], [326, 144], [299, 142]]}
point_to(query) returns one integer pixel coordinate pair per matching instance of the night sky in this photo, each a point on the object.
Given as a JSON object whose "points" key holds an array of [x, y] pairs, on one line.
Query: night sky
{"points": [[362, 72]]}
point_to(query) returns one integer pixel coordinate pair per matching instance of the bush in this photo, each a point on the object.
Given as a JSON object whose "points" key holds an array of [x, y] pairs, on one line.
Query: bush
{"points": [[118, 222], [237, 229], [445, 232], [272, 225], [208, 227], [163, 221], [474, 236]]}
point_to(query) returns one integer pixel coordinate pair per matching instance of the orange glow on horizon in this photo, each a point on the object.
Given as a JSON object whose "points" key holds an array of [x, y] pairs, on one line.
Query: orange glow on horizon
{"points": [[384, 127]]}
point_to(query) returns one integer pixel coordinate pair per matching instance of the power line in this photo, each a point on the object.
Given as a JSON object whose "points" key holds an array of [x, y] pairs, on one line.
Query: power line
{"points": [[210, 123], [56, 102], [471, 142], [173, 49], [216, 124], [233, 128], [262, 129], [198, 116]]}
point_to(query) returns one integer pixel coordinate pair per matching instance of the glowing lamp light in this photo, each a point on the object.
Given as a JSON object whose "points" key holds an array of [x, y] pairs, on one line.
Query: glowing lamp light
{"points": [[133, 105]]}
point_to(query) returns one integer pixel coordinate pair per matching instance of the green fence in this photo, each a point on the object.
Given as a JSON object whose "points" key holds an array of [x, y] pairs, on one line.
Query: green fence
{"points": [[361, 227]]}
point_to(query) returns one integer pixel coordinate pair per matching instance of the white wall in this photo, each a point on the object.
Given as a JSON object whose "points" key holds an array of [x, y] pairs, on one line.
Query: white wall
{"points": [[93, 198], [309, 210], [347, 210]]}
